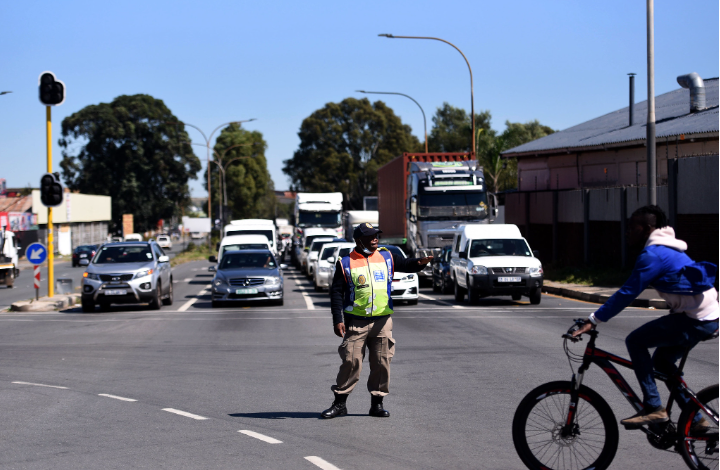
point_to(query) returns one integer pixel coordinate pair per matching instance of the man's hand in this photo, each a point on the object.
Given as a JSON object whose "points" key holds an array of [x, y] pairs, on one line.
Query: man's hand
{"points": [[584, 329], [425, 260], [340, 329]]}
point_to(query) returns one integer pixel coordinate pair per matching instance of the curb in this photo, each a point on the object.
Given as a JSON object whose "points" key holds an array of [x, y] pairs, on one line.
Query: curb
{"points": [[45, 304], [602, 298]]}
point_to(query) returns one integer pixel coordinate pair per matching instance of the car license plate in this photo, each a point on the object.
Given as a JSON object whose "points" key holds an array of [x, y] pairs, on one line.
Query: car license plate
{"points": [[83, 256], [246, 291], [510, 279], [115, 292]]}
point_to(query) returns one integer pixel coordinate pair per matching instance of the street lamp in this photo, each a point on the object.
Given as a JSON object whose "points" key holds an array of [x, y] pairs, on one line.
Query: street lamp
{"points": [[207, 144], [472, 99], [406, 96], [223, 169]]}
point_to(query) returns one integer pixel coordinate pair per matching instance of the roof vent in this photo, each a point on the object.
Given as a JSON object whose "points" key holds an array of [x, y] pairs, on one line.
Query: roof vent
{"points": [[697, 90]]}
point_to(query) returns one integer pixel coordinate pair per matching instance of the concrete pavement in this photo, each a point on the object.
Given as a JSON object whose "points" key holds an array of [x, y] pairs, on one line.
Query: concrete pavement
{"points": [[262, 374]]}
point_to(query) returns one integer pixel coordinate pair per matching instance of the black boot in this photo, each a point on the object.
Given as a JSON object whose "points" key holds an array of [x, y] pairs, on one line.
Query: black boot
{"points": [[338, 407], [376, 408]]}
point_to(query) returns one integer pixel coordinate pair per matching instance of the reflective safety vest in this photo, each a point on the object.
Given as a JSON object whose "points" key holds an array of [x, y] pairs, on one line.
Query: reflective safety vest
{"points": [[369, 283]]}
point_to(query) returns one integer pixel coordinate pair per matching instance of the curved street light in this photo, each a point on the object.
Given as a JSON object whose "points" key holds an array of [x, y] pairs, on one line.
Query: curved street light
{"points": [[472, 98], [5, 92], [406, 96]]}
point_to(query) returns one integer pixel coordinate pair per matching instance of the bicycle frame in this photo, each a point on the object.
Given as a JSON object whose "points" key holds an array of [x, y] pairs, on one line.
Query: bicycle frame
{"points": [[605, 361]]}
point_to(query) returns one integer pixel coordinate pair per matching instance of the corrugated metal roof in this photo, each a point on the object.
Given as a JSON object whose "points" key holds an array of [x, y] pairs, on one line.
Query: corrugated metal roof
{"points": [[672, 117]]}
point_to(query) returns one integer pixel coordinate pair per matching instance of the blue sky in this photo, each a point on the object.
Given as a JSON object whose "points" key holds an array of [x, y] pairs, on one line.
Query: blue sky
{"points": [[561, 62]]}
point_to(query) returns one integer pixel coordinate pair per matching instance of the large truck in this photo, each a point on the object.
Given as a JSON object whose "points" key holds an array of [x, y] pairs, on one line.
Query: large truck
{"points": [[9, 250], [352, 219], [424, 197], [316, 210]]}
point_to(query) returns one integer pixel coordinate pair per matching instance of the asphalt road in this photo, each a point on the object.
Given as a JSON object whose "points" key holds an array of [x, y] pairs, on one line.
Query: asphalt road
{"points": [[219, 388]]}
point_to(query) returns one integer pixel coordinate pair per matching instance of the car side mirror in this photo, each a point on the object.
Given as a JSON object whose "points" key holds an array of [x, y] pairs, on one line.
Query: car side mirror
{"points": [[331, 259], [536, 253], [164, 259], [462, 255], [212, 269], [212, 259]]}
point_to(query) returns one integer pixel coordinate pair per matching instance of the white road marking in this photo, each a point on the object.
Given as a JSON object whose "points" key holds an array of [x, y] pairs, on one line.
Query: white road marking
{"points": [[187, 279], [440, 301], [184, 413], [115, 397], [40, 385], [317, 461], [308, 301], [189, 303], [262, 437]]}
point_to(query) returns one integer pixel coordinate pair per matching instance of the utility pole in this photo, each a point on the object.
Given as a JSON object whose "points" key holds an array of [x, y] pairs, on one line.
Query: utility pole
{"points": [[651, 157]]}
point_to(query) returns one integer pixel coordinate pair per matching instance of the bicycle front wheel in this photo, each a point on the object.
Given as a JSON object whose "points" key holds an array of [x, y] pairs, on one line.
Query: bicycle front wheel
{"points": [[539, 421], [698, 441]]}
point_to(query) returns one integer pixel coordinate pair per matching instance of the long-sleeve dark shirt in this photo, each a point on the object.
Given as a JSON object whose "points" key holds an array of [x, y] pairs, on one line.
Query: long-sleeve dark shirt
{"points": [[338, 286]]}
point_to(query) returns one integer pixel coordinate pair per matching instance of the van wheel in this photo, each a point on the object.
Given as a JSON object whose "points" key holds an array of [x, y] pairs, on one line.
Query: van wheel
{"points": [[459, 293], [535, 296]]}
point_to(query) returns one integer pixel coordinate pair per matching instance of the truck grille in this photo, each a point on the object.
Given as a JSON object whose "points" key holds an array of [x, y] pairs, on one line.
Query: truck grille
{"points": [[115, 277], [247, 281], [508, 270]]}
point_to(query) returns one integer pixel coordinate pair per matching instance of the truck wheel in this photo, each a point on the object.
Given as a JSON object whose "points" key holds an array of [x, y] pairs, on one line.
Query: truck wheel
{"points": [[535, 296], [10, 278], [88, 306], [459, 293]]}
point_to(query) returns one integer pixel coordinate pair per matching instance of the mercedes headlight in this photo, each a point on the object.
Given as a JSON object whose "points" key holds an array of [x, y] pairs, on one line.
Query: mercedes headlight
{"points": [[143, 273], [478, 270], [272, 281], [536, 272], [218, 281]]}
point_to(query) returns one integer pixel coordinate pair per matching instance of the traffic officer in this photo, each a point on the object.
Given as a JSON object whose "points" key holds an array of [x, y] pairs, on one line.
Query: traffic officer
{"points": [[360, 292]]}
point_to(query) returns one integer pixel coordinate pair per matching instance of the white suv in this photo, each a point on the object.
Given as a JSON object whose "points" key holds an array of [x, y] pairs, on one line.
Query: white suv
{"points": [[164, 241]]}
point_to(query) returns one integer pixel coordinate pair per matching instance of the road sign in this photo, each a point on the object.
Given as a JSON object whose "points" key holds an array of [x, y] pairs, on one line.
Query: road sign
{"points": [[36, 253], [37, 277]]}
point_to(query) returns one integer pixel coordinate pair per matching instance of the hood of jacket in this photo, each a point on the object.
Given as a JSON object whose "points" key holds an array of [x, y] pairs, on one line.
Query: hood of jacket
{"points": [[666, 237]]}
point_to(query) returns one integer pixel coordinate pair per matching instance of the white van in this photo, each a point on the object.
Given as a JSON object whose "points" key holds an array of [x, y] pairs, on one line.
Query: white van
{"points": [[303, 247], [264, 227], [133, 237], [494, 259], [243, 242]]}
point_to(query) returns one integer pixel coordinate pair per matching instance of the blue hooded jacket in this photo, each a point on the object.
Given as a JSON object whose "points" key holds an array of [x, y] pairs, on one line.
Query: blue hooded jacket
{"points": [[666, 268]]}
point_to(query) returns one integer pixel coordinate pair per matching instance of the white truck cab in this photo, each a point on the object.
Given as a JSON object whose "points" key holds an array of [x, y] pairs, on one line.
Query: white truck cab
{"points": [[9, 249], [264, 227], [493, 260], [242, 242]]}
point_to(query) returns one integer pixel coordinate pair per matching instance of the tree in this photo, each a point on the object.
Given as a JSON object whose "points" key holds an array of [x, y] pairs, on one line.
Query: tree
{"points": [[342, 145], [250, 190], [133, 150], [452, 129]]}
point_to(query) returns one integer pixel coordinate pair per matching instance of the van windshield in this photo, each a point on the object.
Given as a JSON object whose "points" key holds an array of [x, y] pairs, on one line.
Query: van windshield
{"points": [[268, 233], [499, 247]]}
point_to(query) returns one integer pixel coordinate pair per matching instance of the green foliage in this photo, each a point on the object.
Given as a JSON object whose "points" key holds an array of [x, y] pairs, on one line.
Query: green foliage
{"points": [[132, 150], [452, 129], [589, 276], [250, 190], [342, 145]]}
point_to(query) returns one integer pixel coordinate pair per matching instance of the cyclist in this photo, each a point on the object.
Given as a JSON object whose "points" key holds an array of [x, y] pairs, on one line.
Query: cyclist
{"points": [[688, 289]]}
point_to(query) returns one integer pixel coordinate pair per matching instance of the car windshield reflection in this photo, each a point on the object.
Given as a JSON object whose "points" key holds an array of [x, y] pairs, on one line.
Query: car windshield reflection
{"points": [[239, 260], [124, 254]]}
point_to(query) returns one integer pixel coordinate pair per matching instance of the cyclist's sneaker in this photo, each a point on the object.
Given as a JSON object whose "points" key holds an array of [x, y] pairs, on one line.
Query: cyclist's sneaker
{"points": [[700, 427], [646, 416]]}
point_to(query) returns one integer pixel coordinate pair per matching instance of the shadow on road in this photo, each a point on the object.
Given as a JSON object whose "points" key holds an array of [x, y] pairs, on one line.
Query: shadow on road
{"points": [[284, 415]]}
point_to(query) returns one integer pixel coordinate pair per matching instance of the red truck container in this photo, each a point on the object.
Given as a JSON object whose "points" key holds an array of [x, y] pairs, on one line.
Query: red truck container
{"points": [[392, 191]]}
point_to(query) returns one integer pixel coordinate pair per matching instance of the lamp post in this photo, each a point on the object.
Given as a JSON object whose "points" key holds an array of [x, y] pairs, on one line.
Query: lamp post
{"points": [[651, 157], [223, 169], [207, 144], [472, 99], [406, 96], [5, 92]]}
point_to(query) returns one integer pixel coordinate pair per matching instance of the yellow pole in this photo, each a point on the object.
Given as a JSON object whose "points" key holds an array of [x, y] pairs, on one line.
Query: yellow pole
{"points": [[51, 271]]}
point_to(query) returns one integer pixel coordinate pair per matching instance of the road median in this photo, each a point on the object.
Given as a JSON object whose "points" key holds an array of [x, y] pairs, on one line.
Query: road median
{"points": [[599, 295], [46, 304]]}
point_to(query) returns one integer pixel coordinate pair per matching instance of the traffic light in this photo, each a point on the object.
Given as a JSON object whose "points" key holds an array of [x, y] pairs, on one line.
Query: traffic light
{"points": [[51, 191], [52, 91]]}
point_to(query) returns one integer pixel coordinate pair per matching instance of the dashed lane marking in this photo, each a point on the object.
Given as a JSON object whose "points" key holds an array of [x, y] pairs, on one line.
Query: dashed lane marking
{"points": [[184, 413], [115, 397], [189, 303], [40, 385], [262, 437], [317, 461], [308, 301]]}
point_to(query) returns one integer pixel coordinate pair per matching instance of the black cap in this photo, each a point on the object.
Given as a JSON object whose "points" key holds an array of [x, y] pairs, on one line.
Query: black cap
{"points": [[365, 230]]}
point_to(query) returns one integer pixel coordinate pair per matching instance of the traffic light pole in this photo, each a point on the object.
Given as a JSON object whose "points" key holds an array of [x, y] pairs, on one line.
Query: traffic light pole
{"points": [[51, 248]]}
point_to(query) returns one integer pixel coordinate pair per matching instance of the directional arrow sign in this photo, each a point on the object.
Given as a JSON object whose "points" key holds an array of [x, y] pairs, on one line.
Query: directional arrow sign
{"points": [[36, 253]]}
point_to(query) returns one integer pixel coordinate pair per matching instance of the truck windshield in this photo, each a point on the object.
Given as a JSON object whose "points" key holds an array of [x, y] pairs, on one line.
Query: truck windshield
{"points": [[268, 233], [319, 219], [499, 247], [453, 204]]}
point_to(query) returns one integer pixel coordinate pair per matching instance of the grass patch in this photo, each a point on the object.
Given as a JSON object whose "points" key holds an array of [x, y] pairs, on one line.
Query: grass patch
{"points": [[192, 252], [588, 276]]}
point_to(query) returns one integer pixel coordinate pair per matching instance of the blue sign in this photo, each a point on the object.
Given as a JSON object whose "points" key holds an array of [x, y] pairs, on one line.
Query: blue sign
{"points": [[36, 253]]}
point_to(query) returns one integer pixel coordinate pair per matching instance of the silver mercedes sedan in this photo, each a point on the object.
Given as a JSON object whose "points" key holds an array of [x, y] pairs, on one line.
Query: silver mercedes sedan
{"points": [[128, 272], [247, 276]]}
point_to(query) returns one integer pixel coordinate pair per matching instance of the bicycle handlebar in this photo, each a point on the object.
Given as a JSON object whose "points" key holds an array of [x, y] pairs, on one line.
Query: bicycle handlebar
{"points": [[576, 326]]}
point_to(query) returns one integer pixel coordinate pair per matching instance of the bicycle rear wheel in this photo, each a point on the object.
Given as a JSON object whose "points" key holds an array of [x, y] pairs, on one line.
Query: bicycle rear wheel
{"points": [[539, 420], [699, 448]]}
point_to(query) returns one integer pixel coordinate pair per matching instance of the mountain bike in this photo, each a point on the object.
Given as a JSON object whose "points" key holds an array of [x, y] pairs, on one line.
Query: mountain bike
{"points": [[566, 425]]}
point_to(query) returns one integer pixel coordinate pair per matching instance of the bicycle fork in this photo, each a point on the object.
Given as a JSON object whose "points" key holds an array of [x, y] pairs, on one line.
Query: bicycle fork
{"points": [[569, 428]]}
